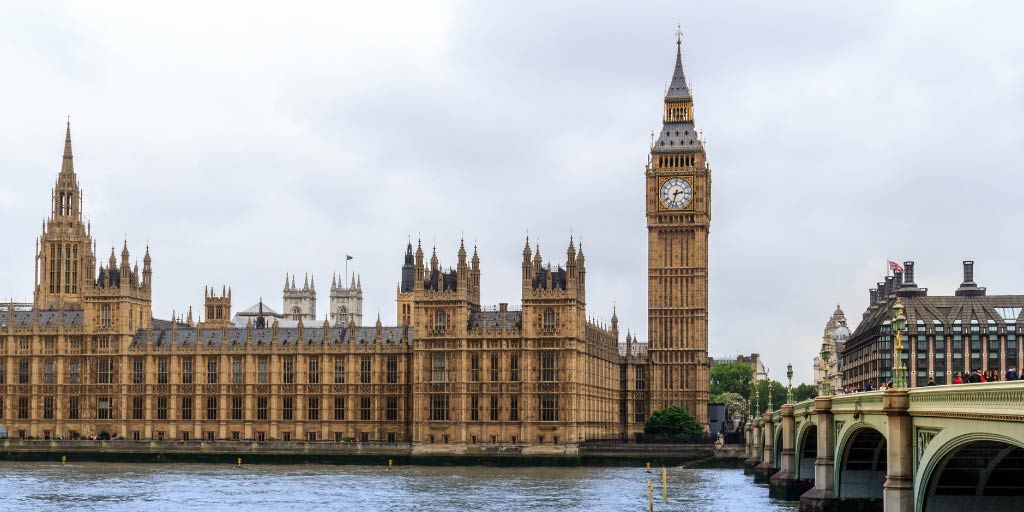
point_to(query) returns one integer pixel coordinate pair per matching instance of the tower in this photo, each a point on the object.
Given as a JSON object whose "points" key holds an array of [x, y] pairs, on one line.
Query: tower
{"points": [[65, 260], [406, 285], [346, 301], [678, 207], [299, 303], [218, 308]]}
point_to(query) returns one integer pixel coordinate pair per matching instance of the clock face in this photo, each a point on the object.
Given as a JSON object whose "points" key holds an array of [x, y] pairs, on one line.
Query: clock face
{"points": [[676, 193]]}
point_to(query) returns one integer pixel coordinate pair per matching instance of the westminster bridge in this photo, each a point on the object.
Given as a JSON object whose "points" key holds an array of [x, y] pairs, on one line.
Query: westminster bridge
{"points": [[929, 449]]}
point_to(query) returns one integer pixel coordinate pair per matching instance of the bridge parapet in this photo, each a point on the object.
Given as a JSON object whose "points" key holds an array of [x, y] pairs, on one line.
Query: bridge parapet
{"points": [[992, 401]]}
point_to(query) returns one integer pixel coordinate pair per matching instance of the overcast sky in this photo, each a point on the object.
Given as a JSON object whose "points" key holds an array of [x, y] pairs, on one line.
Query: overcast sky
{"points": [[249, 140]]}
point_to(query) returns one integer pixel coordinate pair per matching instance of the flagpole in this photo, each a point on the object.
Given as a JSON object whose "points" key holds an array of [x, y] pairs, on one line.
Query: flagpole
{"points": [[346, 271]]}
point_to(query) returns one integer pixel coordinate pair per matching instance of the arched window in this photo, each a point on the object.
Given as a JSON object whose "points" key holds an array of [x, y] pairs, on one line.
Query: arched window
{"points": [[440, 320], [549, 319], [296, 313]]}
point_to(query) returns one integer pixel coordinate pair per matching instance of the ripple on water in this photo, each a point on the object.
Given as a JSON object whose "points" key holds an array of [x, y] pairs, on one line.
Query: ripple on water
{"points": [[31, 487]]}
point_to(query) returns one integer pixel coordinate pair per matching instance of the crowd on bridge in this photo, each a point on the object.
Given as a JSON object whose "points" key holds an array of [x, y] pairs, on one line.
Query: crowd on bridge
{"points": [[971, 377]]}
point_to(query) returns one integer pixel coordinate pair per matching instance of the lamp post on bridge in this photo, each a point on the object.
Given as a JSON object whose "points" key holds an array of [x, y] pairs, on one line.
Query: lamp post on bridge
{"points": [[771, 387], [899, 369], [789, 383], [826, 382]]}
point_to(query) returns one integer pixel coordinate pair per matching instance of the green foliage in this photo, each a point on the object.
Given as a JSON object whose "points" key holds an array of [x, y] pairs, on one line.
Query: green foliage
{"points": [[735, 404], [803, 392], [778, 395], [731, 378], [673, 424]]}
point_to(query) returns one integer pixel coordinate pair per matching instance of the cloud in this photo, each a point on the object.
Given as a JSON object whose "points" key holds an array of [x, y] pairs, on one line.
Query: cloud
{"points": [[243, 141]]}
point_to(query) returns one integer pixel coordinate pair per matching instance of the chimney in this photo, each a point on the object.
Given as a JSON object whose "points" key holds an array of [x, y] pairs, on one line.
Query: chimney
{"points": [[880, 292], [908, 267], [889, 288], [897, 278], [873, 293], [969, 287], [503, 307]]}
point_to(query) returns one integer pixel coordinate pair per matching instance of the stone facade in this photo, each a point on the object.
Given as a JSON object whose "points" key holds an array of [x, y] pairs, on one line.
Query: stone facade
{"points": [[834, 338], [678, 185]]}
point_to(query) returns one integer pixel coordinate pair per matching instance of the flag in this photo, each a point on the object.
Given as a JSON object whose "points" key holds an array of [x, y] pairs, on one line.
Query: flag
{"points": [[895, 266], [347, 257]]}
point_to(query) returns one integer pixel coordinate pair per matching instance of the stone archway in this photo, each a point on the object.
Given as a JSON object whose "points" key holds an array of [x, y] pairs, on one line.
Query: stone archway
{"points": [[777, 448], [806, 453], [860, 473], [977, 474]]}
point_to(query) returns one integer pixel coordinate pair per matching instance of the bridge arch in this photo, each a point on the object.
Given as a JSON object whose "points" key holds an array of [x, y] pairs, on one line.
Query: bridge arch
{"points": [[861, 463], [806, 451], [979, 471]]}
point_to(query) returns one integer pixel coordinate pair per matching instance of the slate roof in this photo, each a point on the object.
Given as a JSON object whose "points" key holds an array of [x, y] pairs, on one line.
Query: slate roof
{"points": [[262, 337], [47, 319], [496, 320]]}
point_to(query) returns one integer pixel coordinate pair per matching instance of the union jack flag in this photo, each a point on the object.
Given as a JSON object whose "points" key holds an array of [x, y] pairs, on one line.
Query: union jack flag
{"points": [[895, 266]]}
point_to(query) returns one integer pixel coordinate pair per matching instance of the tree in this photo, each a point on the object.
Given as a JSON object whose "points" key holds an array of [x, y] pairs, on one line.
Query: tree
{"points": [[673, 424], [803, 392], [778, 395], [731, 378]]}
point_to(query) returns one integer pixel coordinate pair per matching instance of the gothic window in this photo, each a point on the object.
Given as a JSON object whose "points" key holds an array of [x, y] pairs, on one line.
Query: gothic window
{"points": [[364, 369], [392, 408], [548, 366], [296, 313], [339, 369], [549, 319], [513, 408], [47, 407], [49, 372], [313, 367], [138, 370], [313, 408], [288, 370], [549, 408], [104, 408], [137, 403], [262, 372], [439, 407], [474, 408], [186, 370], [474, 367], [261, 408], [162, 365], [23, 371], [392, 368], [339, 408], [105, 316], [494, 408], [364, 408], [438, 367], [440, 320], [237, 370], [23, 408], [72, 408], [186, 408], [211, 371], [105, 371], [161, 407], [211, 407], [640, 378], [495, 368], [513, 368]]}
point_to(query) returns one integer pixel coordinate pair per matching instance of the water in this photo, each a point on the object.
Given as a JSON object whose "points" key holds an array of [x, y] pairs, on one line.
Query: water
{"points": [[43, 486]]}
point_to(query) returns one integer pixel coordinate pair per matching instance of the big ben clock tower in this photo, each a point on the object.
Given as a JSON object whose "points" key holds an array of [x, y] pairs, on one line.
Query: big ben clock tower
{"points": [[678, 218]]}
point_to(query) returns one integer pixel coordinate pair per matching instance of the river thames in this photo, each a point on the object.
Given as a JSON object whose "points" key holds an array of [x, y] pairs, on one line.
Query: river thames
{"points": [[37, 486]]}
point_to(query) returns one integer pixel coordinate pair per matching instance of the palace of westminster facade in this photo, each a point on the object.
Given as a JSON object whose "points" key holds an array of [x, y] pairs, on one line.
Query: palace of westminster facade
{"points": [[87, 358]]}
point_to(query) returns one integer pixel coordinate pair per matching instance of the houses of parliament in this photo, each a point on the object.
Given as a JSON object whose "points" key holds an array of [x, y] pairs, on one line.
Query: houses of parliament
{"points": [[87, 358]]}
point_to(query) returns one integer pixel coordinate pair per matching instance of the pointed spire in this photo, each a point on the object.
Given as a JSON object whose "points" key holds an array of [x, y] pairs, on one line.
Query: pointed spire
{"points": [[305, 284], [678, 88], [293, 282], [334, 281], [312, 282], [359, 281], [286, 281], [67, 166], [146, 260]]}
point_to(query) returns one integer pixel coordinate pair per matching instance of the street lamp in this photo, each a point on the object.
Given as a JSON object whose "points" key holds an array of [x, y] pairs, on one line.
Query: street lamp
{"points": [[757, 399], [826, 382], [899, 321], [770, 388], [789, 384]]}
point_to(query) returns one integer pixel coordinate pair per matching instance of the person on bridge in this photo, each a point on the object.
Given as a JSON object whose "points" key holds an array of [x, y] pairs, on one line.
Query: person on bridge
{"points": [[1011, 374], [957, 379], [975, 376]]}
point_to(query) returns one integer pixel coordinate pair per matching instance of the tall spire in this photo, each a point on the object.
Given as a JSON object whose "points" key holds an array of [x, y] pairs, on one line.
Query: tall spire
{"points": [[678, 88], [67, 166]]}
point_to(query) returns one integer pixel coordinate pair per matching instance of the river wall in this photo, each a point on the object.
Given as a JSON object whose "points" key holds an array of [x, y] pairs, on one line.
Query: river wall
{"points": [[323, 452]]}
